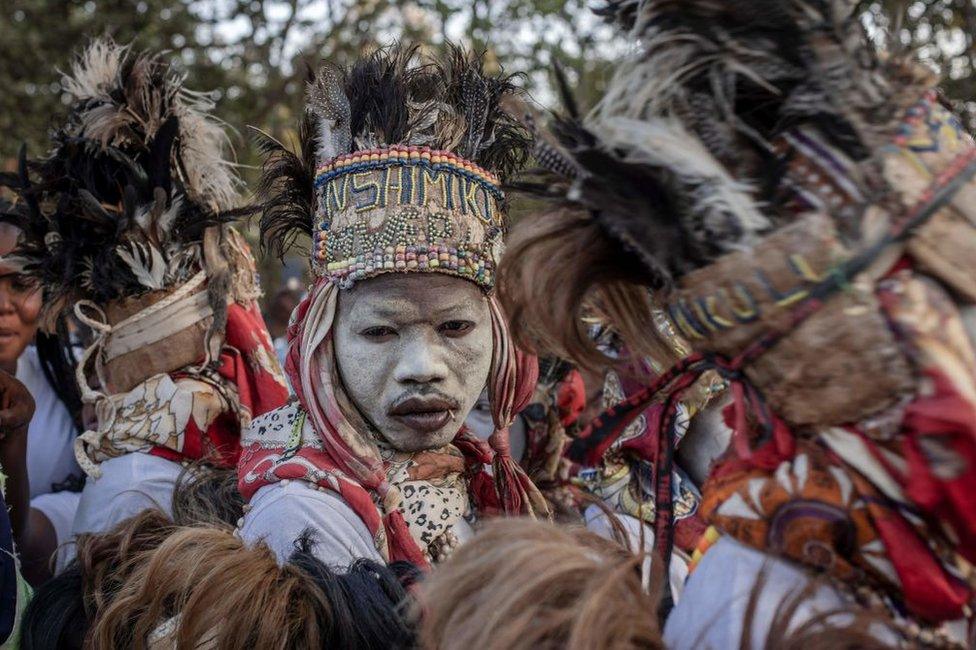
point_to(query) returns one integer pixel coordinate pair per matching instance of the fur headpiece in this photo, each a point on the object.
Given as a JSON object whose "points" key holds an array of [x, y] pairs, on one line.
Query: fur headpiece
{"points": [[136, 175], [378, 136]]}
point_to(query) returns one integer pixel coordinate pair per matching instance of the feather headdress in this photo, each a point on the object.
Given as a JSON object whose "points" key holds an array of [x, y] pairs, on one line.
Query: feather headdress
{"points": [[683, 158], [136, 175], [741, 75], [389, 98]]}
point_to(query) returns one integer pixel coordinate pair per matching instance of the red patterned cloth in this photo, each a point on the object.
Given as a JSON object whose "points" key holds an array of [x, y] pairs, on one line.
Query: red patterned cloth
{"points": [[252, 383], [889, 502]]}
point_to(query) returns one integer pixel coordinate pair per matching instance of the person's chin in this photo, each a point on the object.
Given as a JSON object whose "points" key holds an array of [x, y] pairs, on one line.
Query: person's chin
{"points": [[410, 439], [11, 348]]}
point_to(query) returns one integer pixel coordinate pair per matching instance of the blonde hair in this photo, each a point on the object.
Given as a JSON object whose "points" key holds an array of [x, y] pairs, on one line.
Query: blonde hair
{"points": [[527, 584], [560, 270], [223, 593]]}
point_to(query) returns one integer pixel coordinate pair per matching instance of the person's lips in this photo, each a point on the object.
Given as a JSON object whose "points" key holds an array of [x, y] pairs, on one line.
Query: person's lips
{"points": [[424, 414], [7, 334]]}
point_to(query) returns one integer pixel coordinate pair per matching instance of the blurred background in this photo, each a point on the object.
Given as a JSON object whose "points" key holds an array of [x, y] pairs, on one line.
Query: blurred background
{"points": [[253, 54]]}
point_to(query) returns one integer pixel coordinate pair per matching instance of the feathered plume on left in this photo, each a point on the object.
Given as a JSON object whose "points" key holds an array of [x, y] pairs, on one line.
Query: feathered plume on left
{"points": [[137, 172]]}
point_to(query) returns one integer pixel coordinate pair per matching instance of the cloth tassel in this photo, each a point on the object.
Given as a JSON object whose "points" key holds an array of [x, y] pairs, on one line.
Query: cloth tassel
{"points": [[511, 384]]}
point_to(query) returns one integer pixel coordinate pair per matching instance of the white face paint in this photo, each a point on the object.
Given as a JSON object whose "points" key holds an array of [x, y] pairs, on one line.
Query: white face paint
{"points": [[413, 352]]}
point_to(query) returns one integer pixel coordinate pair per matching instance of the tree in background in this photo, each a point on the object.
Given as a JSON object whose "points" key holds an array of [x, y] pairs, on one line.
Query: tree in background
{"points": [[255, 53], [942, 31]]}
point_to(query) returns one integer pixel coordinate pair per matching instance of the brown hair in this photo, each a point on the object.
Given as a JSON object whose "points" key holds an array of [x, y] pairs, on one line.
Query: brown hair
{"points": [[207, 495], [223, 592], [528, 584], [63, 608], [559, 269]]}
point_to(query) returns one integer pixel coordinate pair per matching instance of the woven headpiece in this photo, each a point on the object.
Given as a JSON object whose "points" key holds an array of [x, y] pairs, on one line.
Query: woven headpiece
{"points": [[401, 169]]}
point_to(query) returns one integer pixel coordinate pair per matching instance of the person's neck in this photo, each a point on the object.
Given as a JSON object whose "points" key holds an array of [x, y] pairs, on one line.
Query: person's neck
{"points": [[9, 366]]}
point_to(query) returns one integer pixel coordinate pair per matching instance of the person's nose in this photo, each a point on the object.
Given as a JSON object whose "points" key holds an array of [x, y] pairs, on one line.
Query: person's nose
{"points": [[7, 303], [420, 363]]}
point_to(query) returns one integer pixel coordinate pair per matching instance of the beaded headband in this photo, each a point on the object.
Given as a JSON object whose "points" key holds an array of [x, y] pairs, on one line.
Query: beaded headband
{"points": [[402, 209]]}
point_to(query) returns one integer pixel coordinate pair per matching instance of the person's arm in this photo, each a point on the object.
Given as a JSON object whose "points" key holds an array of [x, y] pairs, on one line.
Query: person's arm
{"points": [[16, 411]]}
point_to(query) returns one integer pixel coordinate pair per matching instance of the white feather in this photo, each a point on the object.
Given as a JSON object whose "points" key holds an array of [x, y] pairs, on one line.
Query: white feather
{"points": [[146, 263]]}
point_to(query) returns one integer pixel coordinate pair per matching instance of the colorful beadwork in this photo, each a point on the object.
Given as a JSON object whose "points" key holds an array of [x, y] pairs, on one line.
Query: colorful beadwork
{"points": [[406, 209], [403, 155]]}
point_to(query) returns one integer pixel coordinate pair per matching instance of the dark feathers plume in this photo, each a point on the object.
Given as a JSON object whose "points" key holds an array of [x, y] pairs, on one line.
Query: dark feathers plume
{"points": [[392, 96], [287, 187], [135, 175]]}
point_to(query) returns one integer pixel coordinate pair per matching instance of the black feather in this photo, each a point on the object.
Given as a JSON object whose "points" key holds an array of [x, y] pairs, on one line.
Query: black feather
{"points": [[287, 189], [80, 202]]}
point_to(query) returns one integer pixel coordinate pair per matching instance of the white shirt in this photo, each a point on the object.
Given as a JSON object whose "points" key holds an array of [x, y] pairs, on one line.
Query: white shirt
{"points": [[282, 511], [129, 484], [711, 612], [51, 433]]}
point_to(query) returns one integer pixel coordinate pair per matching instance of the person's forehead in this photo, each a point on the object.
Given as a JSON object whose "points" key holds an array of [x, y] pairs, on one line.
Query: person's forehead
{"points": [[412, 295], [8, 238]]}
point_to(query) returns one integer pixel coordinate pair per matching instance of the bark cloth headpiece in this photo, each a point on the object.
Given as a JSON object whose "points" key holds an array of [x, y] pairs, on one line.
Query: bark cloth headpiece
{"points": [[803, 205], [125, 221]]}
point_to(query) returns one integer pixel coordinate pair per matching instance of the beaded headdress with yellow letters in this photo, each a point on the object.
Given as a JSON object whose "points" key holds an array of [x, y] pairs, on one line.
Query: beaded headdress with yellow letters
{"points": [[401, 169]]}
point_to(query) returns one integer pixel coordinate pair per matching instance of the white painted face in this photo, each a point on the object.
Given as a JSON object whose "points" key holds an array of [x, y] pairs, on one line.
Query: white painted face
{"points": [[413, 351]]}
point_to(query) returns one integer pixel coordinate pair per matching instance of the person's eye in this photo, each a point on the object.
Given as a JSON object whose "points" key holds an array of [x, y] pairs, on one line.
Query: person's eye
{"points": [[379, 333], [22, 284], [456, 328]]}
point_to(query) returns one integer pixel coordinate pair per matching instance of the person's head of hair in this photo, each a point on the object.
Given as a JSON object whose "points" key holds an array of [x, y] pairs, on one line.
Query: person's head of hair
{"points": [[56, 617], [207, 495], [203, 585], [63, 609], [559, 274], [527, 584]]}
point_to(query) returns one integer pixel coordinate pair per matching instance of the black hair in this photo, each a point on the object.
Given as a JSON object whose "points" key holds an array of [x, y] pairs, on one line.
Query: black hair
{"points": [[56, 616], [368, 603]]}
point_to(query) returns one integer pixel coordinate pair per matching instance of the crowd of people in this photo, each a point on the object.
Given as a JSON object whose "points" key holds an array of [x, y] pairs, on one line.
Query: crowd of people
{"points": [[716, 390]]}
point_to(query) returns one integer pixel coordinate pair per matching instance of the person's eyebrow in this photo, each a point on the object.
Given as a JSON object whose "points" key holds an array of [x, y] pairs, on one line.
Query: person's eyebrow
{"points": [[380, 309]]}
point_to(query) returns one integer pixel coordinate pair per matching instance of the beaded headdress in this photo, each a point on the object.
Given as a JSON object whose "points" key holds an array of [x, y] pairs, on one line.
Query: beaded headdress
{"points": [[406, 163]]}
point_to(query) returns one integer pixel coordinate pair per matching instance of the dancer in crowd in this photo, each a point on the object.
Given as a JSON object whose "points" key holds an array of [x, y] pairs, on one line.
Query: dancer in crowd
{"points": [[44, 365], [124, 226], [798, 204], [398, 183]]}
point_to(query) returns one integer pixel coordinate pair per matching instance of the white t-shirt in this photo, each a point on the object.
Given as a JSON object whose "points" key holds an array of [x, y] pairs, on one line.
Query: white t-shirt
{"points": [[282, 511], [129, 484], [712, 608], [51, 464], [51, 434]]}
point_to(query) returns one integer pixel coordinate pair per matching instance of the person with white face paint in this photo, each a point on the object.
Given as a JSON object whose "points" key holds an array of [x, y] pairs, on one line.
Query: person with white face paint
{"points": [[400, 331]]}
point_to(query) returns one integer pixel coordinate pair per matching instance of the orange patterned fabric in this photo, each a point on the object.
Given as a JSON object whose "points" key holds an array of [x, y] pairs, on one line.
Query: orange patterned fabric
{"points": [[889, 503]]}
